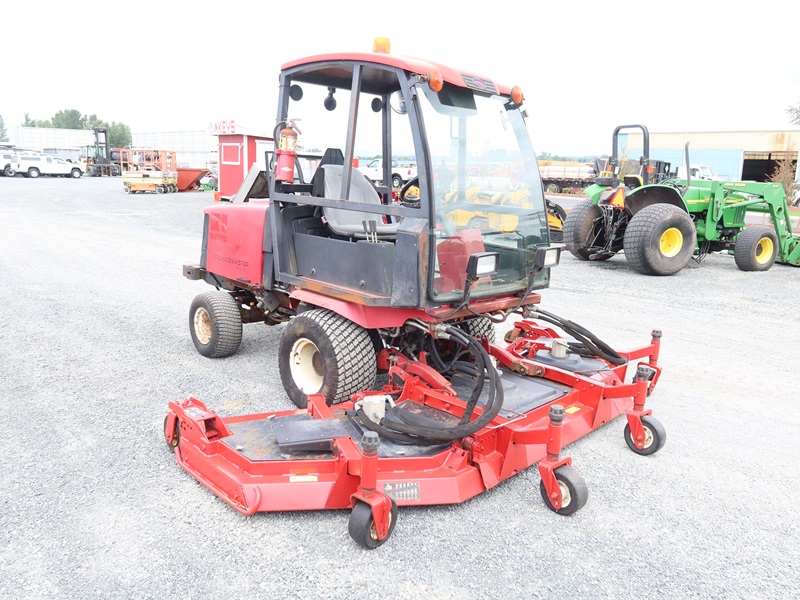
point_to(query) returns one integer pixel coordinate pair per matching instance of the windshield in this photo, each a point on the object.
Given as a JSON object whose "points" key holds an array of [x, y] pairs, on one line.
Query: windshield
{"points": [[487, 191]]}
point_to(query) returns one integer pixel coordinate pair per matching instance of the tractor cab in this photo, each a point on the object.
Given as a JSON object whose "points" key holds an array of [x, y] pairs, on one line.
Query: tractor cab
{"points": [[477, 192]]}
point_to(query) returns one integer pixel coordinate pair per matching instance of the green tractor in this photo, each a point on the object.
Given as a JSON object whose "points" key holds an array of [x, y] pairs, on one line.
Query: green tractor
{"points": [[660, 221]]}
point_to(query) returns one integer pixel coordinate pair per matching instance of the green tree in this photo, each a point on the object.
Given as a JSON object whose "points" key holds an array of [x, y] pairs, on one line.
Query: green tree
{"points": [[93, 121], [68, 119], [3, 132], [119, 135]]}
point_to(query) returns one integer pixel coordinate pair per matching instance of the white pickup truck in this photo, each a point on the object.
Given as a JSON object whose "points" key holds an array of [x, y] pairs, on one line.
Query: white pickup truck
{"points": [[699, 172], [401, 172], [33, 165]]}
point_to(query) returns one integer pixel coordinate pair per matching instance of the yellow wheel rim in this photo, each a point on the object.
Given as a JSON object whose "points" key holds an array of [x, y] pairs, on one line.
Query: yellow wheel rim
{"points": [[671, 242], [764, 250]]}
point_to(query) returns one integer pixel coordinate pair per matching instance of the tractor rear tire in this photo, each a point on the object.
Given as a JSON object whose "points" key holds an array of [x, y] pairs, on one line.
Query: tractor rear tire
{"points": [[582, 225], [215, 323], [660, 240], [321, 352], [756, 248]]}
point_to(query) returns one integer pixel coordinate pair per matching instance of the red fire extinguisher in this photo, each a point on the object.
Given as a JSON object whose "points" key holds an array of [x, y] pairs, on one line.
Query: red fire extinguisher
{"points": [[286, 151]]}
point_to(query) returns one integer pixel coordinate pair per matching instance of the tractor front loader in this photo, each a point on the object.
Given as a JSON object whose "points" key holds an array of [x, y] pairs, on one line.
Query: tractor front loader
{"points": [[660, 221]]}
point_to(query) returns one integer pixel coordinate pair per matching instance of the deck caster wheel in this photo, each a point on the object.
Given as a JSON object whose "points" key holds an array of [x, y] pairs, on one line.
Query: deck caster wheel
{"points": [[176, 435], [655, 436], [574, 491], [362, 525]]}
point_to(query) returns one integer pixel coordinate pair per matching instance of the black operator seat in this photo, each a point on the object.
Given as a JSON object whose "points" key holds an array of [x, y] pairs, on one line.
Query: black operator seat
{"points": [[349, 223]]}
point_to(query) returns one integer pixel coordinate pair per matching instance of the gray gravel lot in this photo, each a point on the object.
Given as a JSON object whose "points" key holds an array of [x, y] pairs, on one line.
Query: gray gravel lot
{"points": [[94, 343]]}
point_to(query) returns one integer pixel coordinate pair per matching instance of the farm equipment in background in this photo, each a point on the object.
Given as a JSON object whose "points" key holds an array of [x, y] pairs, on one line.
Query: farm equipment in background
{"points": [[100, 159], [559, 177], [149, 170], [516, 196], [660, 221], [408, 288]]}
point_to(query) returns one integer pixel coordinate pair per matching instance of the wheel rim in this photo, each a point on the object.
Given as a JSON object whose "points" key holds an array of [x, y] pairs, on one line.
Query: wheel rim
{"points": [[373, 530], [671, 242], [202, 326], [305, 364], [566, 497], [648, 437], [764, 250]]}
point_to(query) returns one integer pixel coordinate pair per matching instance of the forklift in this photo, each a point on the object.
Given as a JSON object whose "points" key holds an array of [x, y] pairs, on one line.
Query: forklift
{"points": [[99, 159]]}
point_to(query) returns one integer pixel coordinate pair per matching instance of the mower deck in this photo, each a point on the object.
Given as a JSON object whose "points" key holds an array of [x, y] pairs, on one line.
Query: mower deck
{"points": [[324, 458]]}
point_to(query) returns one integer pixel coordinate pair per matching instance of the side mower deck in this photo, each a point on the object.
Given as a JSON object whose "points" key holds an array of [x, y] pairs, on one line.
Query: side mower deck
{"points": [[324, 457]]}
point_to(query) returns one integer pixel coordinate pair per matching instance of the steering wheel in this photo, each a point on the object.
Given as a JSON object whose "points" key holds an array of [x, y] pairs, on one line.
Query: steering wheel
{"points": [[404, 193]]}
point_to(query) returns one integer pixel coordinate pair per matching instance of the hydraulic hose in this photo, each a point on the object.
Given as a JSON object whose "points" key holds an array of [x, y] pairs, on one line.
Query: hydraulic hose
{"points": [[411, 430], [595, 345]]}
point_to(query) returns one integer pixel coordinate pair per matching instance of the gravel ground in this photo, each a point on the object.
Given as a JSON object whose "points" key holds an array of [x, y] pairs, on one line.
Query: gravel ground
{"points": [[95, 343]]}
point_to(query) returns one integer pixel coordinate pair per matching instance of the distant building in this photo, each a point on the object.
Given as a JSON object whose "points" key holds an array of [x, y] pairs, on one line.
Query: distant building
{"points": [[193, 148], [734, 155], [64, 143]]}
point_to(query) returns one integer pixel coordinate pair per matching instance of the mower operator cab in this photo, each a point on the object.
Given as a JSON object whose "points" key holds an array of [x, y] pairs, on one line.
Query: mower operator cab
{"points": [[345, 234]]}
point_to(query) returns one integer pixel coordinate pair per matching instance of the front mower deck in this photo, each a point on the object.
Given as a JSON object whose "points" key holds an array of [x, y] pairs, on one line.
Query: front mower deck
{"points": [[324, 458]]}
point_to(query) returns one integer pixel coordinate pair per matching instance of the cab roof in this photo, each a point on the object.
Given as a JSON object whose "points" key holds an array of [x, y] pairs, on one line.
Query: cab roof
{"points": [[419, 66]]}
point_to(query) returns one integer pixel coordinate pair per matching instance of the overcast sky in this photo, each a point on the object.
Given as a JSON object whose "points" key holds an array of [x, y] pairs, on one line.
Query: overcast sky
{"points": [[584, 67]]}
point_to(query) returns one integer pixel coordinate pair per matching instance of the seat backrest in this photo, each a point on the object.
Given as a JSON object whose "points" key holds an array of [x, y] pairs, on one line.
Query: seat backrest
{"points": [[350, 222], [332, 156]]}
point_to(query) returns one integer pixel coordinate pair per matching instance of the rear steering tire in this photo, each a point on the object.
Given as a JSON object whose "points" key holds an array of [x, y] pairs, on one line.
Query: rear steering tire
{"points": [[660, 239], [756, 248], [215, 324], [321, 352]]}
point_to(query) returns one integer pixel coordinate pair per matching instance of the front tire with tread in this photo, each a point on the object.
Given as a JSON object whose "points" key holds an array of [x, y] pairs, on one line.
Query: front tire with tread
{"points": [[321, 352], [756, 248], [660, 239]]}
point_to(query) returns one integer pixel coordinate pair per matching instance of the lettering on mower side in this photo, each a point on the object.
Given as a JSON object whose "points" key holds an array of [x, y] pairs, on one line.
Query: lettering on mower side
{"points": [[236, 262]]}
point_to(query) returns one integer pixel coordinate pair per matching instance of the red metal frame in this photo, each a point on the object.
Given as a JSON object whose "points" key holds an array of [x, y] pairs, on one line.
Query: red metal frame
{"points": [[464, 469]]}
